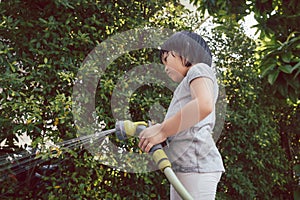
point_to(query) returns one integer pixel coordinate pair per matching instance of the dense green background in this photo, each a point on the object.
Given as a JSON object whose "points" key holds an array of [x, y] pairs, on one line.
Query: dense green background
{"points": [[43, 44]]}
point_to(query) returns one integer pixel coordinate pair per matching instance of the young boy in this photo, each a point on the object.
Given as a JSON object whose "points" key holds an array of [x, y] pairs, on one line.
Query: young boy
{"points": [[190, 117]]}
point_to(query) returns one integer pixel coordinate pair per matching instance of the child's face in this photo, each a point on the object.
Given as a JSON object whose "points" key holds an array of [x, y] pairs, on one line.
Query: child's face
{"points": [[174, 66]]}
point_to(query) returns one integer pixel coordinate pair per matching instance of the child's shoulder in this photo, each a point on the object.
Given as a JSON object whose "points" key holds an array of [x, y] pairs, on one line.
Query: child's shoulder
{"points": [[200, 70]]}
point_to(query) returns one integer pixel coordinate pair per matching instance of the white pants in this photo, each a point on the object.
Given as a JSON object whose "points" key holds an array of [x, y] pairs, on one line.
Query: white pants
{"points": [[201, 186]]}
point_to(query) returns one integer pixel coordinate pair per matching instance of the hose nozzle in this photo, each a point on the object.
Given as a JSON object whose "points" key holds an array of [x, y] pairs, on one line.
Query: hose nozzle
{"points": [[127, 128]]}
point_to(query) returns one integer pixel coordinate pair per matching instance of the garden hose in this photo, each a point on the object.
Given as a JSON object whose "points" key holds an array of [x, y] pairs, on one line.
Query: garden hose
{"points": [[128, 128]]}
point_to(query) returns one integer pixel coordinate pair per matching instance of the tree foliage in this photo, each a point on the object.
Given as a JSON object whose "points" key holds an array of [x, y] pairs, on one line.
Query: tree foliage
{"points": [[43, 45], [255, 162], [277, 54], [279, 34]]}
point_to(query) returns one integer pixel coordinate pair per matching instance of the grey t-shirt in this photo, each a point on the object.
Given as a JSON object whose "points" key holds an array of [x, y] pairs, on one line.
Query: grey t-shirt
{"points": [[194, 149]]}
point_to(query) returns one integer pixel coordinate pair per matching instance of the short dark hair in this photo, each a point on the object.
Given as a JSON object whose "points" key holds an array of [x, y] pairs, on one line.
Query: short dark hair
{"points": [[189, 45]]}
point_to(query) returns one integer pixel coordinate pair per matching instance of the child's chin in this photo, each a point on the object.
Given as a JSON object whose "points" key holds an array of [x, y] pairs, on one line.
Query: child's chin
{"points": [[176, 79]]}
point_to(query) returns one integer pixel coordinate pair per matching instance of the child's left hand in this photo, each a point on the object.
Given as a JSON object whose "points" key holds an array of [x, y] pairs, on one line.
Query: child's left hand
{"points": [[151, 136]]}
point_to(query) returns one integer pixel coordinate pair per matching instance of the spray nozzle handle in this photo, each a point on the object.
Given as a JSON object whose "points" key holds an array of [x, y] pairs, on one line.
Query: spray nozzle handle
{"points": [[155, 147], [127, 128]]}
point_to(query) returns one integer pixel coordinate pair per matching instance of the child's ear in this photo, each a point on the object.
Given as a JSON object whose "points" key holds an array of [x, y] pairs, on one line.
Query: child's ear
{"points": [[173, 53], [185, 62]]}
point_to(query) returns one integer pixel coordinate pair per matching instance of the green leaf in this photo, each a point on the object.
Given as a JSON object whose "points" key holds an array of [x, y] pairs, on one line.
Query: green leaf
{"points": [[296, 66], [294, 97], [286, 69], [43, 20], [286, 57], [12, 67], [273, 76], [268, 69]]}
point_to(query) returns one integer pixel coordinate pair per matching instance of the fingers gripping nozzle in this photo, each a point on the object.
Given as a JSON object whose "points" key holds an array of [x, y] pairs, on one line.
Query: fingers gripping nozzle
{"points": [[127, 128]]}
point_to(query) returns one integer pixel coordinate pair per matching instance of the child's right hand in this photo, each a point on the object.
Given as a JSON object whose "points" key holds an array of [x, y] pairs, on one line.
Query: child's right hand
{"points": [[151, 136]]}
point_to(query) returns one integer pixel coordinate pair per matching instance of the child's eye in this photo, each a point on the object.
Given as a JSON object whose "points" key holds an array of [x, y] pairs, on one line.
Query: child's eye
{"points": [[166, 56]]}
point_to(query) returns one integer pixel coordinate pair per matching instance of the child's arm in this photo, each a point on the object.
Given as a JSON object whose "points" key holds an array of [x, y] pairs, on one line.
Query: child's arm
{"points": [[196, 110]]}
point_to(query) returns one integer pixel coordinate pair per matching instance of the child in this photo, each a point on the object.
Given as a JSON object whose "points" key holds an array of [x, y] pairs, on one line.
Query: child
{"points": [[190, 117]]}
